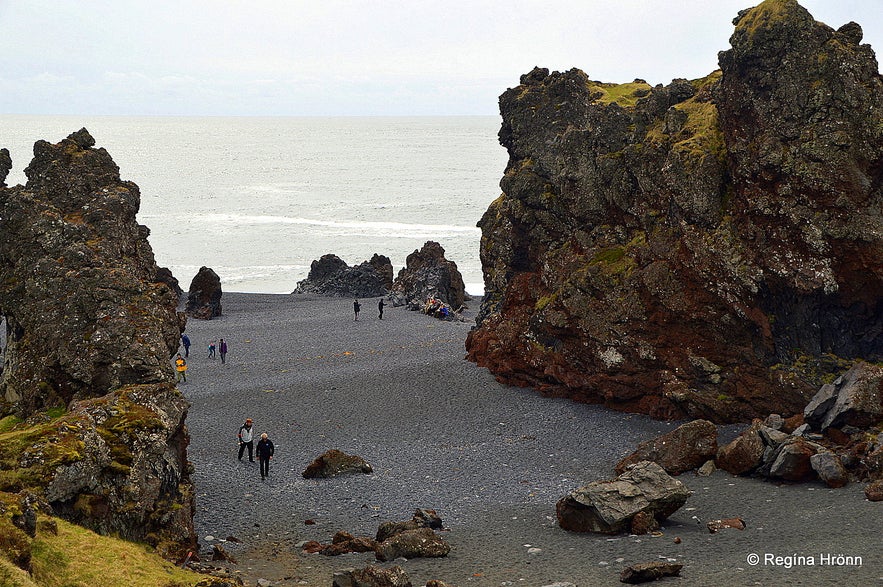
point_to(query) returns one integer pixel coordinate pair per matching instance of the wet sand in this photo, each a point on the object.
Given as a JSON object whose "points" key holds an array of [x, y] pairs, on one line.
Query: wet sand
{"points": [[492, 460]]}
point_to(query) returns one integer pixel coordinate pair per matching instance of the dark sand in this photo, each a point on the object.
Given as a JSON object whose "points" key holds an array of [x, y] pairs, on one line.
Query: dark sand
{"points": [[492, 460]]}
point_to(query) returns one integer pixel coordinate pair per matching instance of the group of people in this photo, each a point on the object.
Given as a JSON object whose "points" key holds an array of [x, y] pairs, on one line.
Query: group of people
{"points": [[181, 361], [264, 449], [357, 308]]}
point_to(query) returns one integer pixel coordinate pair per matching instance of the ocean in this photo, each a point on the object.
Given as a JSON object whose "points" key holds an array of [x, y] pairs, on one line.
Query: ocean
{"points": [[258, 199]]}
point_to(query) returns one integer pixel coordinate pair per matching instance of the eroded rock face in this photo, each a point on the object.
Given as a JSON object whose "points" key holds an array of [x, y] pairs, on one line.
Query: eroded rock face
{"points": [[91, 329], [700, 250]]}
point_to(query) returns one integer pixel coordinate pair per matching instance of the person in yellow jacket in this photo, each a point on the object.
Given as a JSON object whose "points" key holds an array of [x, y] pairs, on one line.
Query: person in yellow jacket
{"points": [[181, 368]]}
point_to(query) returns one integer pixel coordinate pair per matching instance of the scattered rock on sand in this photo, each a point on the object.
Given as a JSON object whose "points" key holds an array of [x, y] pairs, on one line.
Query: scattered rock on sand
{"points": [[645, 572], [683, 449], [609, 506], [874, 491], [715, 525], [334, 462]]}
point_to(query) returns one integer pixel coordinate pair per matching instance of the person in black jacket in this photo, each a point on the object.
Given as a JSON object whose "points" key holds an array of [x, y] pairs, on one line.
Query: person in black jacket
{"points": [[265, 450]]}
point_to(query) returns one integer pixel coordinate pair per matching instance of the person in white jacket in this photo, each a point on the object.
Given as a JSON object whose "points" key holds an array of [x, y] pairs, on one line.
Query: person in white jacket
{"points": [[246, 439]]}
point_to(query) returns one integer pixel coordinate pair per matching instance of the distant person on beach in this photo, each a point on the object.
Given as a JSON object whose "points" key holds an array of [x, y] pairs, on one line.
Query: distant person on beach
{"points": [[211, 350], [265, 450], [181, 368], [246, 440], [185, 340], [356, 307], [222, 350], [380, 308]]}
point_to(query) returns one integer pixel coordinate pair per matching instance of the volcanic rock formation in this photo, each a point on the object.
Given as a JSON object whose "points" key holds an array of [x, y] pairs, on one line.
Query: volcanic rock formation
{"points": [[89, 334], [330, 275], [711, 248], [427, 273]]}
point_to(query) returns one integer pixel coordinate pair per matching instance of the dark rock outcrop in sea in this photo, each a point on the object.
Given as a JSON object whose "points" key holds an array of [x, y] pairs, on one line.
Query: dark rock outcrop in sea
{"points": [[204, 295], [89, 333], [428, 274], [331, 276], [709, 249]]}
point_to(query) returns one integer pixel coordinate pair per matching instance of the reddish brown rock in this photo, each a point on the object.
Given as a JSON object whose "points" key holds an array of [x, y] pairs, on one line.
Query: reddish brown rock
{"points": [[792, 461], [685, 448], [874, 490], [716, 525], [744, 454]]}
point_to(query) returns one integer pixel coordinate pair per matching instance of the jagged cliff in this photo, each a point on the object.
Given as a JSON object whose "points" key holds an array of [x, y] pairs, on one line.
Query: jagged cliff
{"points": [[94, 426], [711, 248]]}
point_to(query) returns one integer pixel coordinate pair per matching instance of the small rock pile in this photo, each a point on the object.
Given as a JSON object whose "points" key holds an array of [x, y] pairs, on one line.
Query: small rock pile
{"points": [[414, 538]]}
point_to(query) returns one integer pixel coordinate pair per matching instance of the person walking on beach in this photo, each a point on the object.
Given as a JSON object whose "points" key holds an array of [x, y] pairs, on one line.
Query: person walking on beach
{"points": [[246, 440], [265, 450], [185, 340], [181, 368], [211, 350], [380, 308], [356, 307], [222, 350]]}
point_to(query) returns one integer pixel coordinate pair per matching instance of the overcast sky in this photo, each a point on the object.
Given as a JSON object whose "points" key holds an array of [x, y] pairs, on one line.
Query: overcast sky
{"points": [[350, 57]]}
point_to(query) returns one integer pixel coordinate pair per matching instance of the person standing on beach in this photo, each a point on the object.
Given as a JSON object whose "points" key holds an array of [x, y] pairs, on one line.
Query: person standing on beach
{"points": [[380, 308], [181, 368], [185, 340], [265, 450], [222, 350], [211, 350], [246, 440], [356, 307]]}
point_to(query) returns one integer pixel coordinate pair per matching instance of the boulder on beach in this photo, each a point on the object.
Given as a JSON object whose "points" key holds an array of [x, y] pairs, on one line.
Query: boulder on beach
{"points": [[204, 295], [608, 507], [331, 276], [334, 462], [685, 448]]}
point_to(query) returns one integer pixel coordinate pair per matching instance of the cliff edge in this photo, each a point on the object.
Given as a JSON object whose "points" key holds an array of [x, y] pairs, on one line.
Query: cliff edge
{"points": [[712, 248]]}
